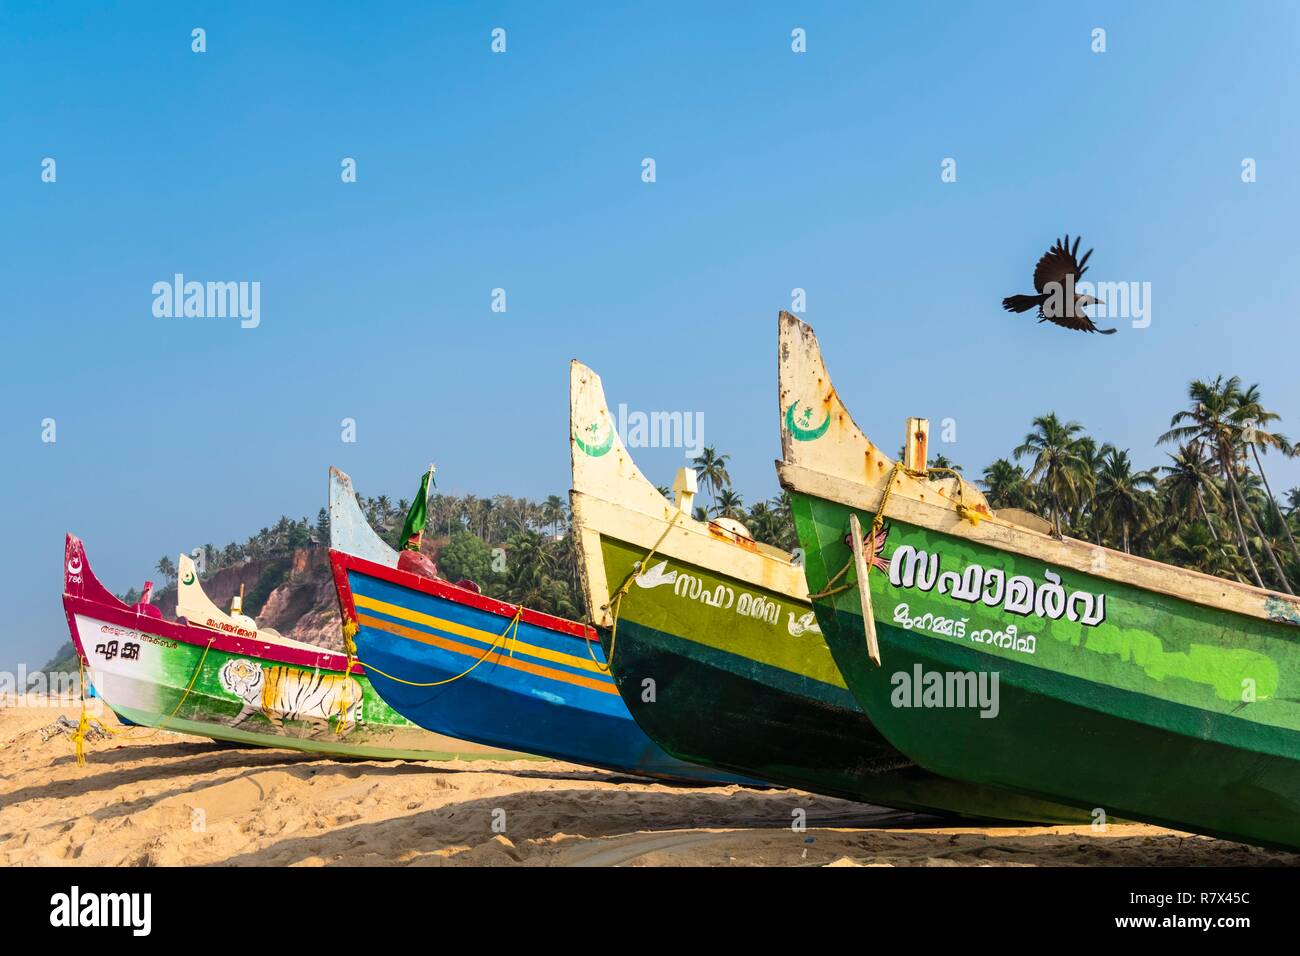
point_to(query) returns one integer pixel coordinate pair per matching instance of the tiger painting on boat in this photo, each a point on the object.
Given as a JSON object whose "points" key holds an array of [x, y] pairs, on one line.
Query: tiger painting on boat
{"points": [[281, 693]]}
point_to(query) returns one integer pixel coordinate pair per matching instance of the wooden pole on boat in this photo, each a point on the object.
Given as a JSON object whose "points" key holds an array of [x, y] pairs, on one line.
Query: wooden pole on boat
{"points": [[917, 447], [684, 490], [864, 588]]}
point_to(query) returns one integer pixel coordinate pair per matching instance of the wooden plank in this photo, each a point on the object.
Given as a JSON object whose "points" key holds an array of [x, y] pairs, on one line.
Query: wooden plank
{"points": [[917, 444], [864, 589]]}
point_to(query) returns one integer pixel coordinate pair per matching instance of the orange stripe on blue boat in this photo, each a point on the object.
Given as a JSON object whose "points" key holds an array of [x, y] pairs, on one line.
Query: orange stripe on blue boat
{"points": [[496, 657], [510, 645]]}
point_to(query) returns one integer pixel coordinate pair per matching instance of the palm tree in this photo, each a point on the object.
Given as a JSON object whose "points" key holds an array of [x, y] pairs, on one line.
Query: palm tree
{"points": [[1123, 497], [483, 513], [1187, 484], [553, 512], [712, 469], [1058, 467], [1193, 547], [442, 511], [762, 523], [1253, 417], [564, 555], [1213, 421], [1005, 486], [1094, 458], [729, 505]]}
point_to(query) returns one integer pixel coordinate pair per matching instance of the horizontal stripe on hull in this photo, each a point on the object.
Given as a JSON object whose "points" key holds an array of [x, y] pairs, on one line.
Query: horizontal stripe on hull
{"points": [[543, 700], [455, 628], [472, 654]]}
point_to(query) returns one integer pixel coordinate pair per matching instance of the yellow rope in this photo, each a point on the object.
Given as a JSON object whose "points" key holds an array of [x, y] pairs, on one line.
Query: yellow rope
{"points": [[514, 623], [876, 523], [83, 725], [616, 602], [970, 514], [188, 687], [345, 697]]}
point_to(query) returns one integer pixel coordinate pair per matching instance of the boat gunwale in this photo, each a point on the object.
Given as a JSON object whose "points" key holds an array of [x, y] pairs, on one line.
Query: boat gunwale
{"points": [[102, 604], [341, 562]]}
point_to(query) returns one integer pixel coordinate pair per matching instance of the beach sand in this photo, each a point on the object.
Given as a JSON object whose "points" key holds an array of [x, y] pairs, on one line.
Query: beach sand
{"points": [[146, 798]]}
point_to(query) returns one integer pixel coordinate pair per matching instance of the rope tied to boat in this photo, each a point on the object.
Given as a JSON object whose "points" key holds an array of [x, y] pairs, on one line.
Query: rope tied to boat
{"points": [[859, 559], [188, 687], [84, 724], [616, 602], [963, 510], [85, 721], [354, 660], [876, 524]]}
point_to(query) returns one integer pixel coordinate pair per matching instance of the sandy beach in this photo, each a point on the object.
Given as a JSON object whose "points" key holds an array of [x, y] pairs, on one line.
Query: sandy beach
{"points": [[147, 799]]}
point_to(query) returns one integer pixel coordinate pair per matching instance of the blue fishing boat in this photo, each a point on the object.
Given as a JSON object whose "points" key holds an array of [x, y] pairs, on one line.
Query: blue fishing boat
{"points": [[468, 666]]}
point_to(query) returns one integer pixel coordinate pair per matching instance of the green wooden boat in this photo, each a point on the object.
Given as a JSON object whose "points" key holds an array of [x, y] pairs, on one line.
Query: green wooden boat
{"points": [[1002, 656], [716, 650]]}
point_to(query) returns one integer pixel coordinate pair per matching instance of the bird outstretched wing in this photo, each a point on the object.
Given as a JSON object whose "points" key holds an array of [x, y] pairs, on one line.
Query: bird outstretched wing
{"points": [[1057, 263], [1078, 321]]}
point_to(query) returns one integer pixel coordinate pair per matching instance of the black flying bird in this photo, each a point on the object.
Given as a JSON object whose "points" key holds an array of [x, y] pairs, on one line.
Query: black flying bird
{"points": [[1054, 279]]}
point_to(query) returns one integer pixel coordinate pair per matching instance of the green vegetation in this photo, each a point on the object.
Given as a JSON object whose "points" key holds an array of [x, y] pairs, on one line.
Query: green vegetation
{"points": [[1210, 508], [278, 541], [64, 660]]}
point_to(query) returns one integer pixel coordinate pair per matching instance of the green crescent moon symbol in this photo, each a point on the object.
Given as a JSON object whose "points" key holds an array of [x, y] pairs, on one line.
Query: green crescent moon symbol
{"points": [[189, 578], [805, 434], [595, 451]]}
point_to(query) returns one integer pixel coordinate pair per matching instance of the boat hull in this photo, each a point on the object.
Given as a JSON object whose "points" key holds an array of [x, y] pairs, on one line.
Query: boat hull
{"points": [[540, 688], [168, 682], [758, 693], [1157, 709]]}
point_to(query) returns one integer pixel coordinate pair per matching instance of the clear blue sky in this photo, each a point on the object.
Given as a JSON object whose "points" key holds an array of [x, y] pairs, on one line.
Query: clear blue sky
{"points": [[522, 171]]}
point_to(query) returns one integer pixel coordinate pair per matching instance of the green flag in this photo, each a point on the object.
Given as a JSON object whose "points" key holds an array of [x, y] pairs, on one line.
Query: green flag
{"points": [[414, 526]]}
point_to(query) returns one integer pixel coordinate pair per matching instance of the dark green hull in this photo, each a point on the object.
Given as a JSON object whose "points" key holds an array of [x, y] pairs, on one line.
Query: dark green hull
{"points": [[738, 715], [760, 696], [1130, 719]]}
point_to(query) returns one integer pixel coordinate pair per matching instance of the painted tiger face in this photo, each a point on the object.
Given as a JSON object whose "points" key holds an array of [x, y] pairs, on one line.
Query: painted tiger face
{"points": [[243, 678]]}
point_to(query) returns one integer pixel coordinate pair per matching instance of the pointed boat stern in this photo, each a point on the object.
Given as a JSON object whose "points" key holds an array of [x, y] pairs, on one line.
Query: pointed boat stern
{"points": [[79, 580], [349, 529], [603, 471]]}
